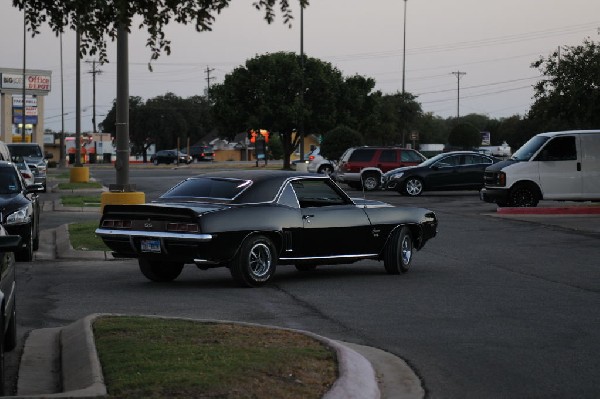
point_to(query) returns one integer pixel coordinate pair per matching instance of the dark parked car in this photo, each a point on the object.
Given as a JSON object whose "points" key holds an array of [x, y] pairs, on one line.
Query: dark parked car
{"points": [[8, 322], [364, 166], [252, 221], [20, 209], [169, 157], [456, 170], [202, 153]]}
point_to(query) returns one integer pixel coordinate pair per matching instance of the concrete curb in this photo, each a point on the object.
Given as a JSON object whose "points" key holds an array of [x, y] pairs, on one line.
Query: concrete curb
{"points": [[82, 372], [557, 210], [79, 364]]}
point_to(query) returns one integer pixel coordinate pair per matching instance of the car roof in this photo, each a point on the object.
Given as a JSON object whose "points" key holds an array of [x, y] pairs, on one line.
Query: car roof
{"points": [[266, 184], [567, 132]]}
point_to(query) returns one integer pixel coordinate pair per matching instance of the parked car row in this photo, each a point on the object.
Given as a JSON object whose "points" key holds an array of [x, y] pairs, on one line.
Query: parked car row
{"points": [[170, 156], [198, 153]]}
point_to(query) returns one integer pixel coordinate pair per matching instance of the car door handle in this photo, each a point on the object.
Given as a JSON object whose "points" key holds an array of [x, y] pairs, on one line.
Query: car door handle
{"points": [[307, 217]]}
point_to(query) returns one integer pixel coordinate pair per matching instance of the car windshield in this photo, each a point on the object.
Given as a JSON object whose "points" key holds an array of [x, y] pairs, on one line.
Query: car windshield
{"points": [[529, 148], [9, 183], [203, 187], [25, 151]]}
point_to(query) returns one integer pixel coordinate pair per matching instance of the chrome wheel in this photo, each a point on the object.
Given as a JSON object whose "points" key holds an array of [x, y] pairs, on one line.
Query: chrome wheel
{"points": [[413, 187], [407, 249], [255, 262], [398, 251], [259, 259], [371, 182]]}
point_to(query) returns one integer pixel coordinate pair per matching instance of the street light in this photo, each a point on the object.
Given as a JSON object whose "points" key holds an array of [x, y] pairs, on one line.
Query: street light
{"points": [[404, 50], [302, 82], [403, 74], [24, 71]]}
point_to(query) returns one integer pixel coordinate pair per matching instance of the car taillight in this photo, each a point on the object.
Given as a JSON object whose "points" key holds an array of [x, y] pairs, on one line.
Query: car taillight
{"points": [[310, 158], [26, 175], [183, 227], [116, 224]]}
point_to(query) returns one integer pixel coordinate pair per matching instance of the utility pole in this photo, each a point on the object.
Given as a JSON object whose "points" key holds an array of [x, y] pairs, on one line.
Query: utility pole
{"points": [[208, 79], [94, 72], [458, 75], [301, 126]]}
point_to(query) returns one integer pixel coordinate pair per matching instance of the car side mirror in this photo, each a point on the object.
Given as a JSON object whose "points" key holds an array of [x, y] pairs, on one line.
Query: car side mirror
{"points": [[34, 188], [10, 243], [48, 155]]}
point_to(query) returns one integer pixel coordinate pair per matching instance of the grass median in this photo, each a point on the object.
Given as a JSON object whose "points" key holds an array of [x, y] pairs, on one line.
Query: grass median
{"points": [[170, 358]]}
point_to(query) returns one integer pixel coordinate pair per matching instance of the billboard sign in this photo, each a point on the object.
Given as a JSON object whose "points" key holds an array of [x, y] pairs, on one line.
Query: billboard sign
{"points": [[32, 82]]}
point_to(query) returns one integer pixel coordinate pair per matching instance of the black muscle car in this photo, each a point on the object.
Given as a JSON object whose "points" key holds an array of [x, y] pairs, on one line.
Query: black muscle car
{"points": [[251, 221]]}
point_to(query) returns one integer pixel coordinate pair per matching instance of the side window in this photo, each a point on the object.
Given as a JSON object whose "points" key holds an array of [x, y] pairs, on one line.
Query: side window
{"points": [[476, 160], [316, 193], [559, 149], [410, 156], [452, 160], [288, 197], [362, 155], [388, 156]]}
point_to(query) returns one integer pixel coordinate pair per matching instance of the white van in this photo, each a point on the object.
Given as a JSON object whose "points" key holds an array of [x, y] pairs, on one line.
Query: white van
{"points": [[561, 166]]}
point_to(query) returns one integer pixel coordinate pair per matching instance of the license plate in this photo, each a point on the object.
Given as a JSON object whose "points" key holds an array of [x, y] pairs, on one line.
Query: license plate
{"points": [[150, 246]]}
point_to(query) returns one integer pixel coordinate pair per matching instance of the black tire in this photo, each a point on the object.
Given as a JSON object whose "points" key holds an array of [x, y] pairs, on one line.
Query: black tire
{"points": [[160, 272], [26, 254], [524, 195], [306, 268], [255, 262], [413, 187], [398, 251], [371, 181], [10, 339], [326, 170]]}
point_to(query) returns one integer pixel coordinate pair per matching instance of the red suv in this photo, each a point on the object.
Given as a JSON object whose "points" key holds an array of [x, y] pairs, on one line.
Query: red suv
{"points": [[366, 165]]}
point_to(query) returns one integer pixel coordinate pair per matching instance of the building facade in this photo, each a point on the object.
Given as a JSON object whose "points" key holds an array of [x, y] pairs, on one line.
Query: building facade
{"points": [[23, 120]]}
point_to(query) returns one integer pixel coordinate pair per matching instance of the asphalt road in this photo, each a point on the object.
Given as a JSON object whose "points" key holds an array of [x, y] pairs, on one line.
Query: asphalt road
{"points": [[492, 307]]}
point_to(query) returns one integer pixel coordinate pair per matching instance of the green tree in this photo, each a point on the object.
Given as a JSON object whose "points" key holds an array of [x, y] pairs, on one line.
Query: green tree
{"points": [[432, 129], [568, 95], [265, 94], [465, 136], [339, 140], [98, 20], [394, 116]]}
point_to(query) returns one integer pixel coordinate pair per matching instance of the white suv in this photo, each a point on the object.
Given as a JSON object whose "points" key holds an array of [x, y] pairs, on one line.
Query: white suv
{"points": [[318, 164]]}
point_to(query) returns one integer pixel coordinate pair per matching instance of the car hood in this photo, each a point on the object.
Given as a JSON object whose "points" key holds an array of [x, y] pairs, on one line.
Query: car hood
{"points": [[398, 170], [497, 167], [10, 203]]}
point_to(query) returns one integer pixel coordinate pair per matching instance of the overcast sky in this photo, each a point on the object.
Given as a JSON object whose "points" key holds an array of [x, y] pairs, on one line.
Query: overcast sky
{"points": [[493, 42]]}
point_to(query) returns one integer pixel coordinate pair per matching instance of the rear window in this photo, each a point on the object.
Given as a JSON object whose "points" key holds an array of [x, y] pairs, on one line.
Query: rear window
{"points": [[215, 188], [362, 155], [411, 156]]}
